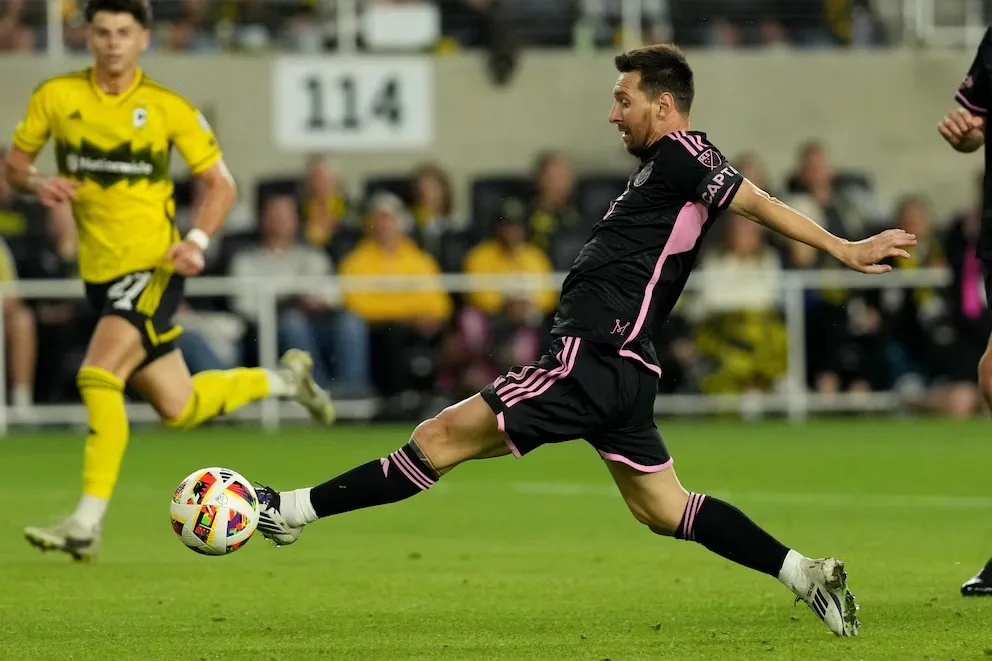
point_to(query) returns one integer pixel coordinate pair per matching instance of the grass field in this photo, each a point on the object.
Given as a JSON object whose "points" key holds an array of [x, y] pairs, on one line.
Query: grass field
{"points": [[511, 559]]}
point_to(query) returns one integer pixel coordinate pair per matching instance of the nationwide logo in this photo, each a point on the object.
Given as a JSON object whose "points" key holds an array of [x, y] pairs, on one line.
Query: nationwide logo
{"points": [[106, 167]]}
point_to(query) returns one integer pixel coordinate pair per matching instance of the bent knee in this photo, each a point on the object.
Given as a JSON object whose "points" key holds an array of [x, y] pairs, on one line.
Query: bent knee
{"points": [[985, 369], [661, 522], [433, 437]]}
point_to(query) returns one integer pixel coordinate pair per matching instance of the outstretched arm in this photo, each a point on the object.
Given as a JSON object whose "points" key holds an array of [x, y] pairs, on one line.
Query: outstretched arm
{"points": [[754, 203]]}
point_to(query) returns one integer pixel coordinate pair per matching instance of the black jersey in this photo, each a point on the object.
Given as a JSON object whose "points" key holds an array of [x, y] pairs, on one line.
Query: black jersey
{"points": [[633, 268], [975, 94]]}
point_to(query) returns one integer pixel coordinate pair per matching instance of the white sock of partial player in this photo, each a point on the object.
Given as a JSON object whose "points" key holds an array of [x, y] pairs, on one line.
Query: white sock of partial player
{"points": [[22, 396], [281, 383], [90, 511], [296, 508], [793, 573]]}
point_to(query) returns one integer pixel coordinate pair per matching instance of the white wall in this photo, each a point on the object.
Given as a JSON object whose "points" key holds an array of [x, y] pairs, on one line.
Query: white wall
{"points": [[877, 110]]}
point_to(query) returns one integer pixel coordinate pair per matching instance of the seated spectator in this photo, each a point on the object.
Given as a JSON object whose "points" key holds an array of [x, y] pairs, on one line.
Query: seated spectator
{"points": [[405, 325], [19, 332], [915, 317], [64, 325], [507, 253], [960, 338], [312, 322], [498, 329], [431, 207], [553, 208], [327, 212], [741, 335], [840, 211], [22, 218]]}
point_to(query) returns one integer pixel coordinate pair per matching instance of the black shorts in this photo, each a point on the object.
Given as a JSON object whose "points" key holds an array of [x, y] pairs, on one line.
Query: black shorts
{"points": [[148, 300], [579, 389]]}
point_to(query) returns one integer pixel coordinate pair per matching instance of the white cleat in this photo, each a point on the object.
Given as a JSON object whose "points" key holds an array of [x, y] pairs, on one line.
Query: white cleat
{"points": [[79, 541], [298, 367], [271, 523], [829, 597]]}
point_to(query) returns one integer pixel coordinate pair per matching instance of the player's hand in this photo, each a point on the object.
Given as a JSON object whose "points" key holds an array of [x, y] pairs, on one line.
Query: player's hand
{"points": [[961, 128], [864, 256], [53, 191], [187, 258]]}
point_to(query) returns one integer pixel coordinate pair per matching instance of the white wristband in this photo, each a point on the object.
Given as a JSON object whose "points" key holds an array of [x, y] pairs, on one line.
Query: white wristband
{"points": [[199, 237]]}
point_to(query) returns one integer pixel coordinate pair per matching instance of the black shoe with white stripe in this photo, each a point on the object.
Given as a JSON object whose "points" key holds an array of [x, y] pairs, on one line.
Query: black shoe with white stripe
{"points": [[980, 585]]}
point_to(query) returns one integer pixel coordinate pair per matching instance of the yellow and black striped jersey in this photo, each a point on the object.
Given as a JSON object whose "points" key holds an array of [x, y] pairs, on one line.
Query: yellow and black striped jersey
{"points": [[118, 147]]}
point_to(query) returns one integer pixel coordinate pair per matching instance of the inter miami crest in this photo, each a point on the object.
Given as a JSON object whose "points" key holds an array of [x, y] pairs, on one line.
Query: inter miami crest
{"points": [[643, 175]]}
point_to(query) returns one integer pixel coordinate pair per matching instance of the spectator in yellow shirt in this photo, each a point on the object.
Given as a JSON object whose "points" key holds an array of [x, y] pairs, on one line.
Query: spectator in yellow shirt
{"points": [[508, 254], [498, 328], [404, 326]]}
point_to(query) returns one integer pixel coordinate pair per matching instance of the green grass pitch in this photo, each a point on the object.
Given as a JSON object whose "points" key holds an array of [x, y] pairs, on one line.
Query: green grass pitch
{"points": [[511, 559]]}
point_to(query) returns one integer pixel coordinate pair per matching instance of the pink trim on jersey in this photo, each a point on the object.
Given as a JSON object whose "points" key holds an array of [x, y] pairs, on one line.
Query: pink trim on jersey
{"points": [[696, 140], [627, 353], [685, 233], [539, 387], [513, 448], [968, 104], [683, 137], [725, 196], [611, 456], [501, 422], [511, 392]]}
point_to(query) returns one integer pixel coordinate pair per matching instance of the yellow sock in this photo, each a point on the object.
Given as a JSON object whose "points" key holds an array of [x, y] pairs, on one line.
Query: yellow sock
{"points": [[103, 395], [217, 393]]}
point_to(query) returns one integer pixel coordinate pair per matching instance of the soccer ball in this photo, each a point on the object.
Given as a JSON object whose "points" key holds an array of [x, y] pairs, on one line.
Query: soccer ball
{"points": [[214, 511]]}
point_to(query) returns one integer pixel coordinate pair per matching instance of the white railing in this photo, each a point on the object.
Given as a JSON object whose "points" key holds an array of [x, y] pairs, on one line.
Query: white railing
{"points": [[795, 401]]}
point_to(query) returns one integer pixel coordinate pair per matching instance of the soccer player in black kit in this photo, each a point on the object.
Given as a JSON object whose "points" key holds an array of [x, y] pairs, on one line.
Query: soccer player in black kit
{"points": [[964, 129], [599, 379]]}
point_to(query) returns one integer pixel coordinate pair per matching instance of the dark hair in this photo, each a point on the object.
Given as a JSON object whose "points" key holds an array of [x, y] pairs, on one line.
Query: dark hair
{"points": [[433, 171], [663, 68], [139, 9]]}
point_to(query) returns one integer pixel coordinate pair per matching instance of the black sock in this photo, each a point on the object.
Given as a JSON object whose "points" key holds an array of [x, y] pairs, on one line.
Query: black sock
{"points": [[388, 480], [726, 531]]}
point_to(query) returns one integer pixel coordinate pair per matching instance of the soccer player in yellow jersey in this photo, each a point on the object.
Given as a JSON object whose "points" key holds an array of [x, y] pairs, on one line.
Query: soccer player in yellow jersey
{"points": [[113, 129]]}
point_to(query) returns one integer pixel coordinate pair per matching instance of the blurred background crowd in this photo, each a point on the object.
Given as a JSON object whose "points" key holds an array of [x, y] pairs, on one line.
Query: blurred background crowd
{"points": [[414, 351], [311, 25], [409, 350]]}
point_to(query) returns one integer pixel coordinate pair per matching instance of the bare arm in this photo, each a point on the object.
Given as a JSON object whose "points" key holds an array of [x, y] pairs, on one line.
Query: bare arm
{"points": [[219, 196], [23, 176], [963, 130], [754, 203]]}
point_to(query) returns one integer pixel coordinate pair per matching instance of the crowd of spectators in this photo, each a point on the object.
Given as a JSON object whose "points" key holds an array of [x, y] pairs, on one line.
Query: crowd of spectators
{"points": [[728, 336], [311, 25]]}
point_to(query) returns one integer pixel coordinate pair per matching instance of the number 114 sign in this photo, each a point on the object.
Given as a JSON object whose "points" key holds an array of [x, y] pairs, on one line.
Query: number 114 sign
{"points": [[353, 103]]}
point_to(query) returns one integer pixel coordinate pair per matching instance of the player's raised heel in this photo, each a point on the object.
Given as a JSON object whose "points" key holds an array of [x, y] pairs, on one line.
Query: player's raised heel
{"points": [[299, 367], [68, 537]]}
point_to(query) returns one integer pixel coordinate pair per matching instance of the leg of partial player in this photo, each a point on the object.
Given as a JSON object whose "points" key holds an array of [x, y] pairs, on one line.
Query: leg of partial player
{"points": [[980, 585], [115, 350], [465, 431], [186, 401], [659, 501]]}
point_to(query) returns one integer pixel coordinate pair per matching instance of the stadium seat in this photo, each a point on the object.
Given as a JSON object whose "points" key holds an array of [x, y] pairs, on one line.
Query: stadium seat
{"points": [[594, 193], [489, 194], [455, 245], [398, 185]]}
